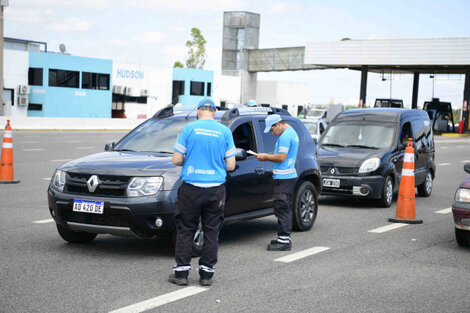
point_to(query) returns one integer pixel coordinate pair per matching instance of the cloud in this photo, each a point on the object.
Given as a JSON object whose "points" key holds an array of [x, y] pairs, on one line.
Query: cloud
{"points": [[116, 42], [150, 37], [71, 25], [188, 5], [28, 16], [286, 7]]}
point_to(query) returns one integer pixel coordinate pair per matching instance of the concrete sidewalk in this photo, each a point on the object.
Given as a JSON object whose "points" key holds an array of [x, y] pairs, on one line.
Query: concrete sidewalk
{"points": [[62, 123]]}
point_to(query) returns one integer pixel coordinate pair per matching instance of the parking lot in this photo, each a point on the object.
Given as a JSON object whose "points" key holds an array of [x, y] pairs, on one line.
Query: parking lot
{"points": [[353, 260]]}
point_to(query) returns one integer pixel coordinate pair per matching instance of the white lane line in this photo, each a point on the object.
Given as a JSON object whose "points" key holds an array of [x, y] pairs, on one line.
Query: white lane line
{"points": [[62, 160], [46, 178], [443, 164], [444, 148], [73, 141], [84, 148], [28, 141], [461, 146], [302, 254], [445, 211], [37, 149], [160, 300], [44, 221], [465, 161], [387, 228]]}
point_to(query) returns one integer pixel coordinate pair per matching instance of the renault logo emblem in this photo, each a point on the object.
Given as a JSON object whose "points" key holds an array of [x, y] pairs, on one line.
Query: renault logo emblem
{"points": [[93, 183], [332, 170]]}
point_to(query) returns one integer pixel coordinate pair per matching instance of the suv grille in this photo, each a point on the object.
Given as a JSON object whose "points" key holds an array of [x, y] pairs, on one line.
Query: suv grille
{"points": [[339, 170], [111, 186]]}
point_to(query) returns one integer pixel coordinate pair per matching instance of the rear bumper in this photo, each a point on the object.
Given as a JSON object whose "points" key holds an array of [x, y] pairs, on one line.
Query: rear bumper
{"points": [[121, 216], [461, 213], [355, 186]]}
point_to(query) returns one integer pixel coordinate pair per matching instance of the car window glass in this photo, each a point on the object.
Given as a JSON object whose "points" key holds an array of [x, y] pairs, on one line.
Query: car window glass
{"points": [[269, 140], [244, 138], [366, 135], [418, 129], [153, 136], [405, 133]]}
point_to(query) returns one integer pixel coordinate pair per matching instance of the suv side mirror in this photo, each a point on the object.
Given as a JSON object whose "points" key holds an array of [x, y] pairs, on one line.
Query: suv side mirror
{"points": [[109, 146], [241, 154], [466, 167]]}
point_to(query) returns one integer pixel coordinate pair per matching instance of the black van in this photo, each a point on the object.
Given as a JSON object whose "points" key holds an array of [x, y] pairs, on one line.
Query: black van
{"points": [[361, 153]]}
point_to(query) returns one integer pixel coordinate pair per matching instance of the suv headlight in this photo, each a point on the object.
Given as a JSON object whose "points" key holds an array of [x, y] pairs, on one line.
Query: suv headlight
{"points": [[144, 186], [462, 195], [58, 180], [369, 165]]}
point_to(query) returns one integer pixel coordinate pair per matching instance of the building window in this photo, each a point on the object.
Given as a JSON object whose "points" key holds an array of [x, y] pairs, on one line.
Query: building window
{"points": [[197, 89], [35, 76], [209, 88], [95, 81], [34, 107], [61, 78], [178, 89]]}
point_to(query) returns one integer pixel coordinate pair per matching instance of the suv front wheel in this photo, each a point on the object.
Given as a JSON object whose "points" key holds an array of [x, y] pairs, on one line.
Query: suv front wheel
{"points": [[305, 206]]}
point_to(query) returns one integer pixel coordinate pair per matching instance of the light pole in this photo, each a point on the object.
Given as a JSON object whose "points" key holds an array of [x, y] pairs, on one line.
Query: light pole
{"points": [[3, 4]]}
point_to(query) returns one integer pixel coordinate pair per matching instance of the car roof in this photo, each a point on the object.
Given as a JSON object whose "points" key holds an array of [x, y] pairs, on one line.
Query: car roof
{"points": [[379, 114]]}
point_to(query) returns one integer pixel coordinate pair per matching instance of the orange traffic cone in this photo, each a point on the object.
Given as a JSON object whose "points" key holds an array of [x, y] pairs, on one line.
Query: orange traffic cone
{"points": [[6, 163], [406, 195]]}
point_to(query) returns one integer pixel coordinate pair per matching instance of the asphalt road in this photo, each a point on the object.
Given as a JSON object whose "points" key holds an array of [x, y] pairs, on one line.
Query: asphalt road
{"points": [[414, 268]]}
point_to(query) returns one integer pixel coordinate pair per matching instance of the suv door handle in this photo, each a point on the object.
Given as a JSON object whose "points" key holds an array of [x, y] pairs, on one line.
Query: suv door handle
{"points": [[259, 170]]}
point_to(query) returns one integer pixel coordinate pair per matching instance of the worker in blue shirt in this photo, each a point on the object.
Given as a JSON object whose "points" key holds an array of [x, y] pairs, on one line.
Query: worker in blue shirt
{"points": [[284, 176], [206, 150]]}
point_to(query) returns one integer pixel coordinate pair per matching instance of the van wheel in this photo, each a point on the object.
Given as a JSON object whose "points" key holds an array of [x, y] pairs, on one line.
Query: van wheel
{"points": [[462, 237], [387, 193], [425, 189], [305, 207], [73, 236]]}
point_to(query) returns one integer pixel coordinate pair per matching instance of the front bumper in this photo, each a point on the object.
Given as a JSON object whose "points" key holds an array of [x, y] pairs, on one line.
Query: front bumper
{"points": [[121, 216], [461, 212], [356, 186]]}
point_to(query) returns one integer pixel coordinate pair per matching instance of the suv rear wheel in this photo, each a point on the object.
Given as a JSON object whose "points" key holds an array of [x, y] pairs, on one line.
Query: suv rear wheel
{"points": [[305, 206], [198, 241], [425, 189], [74, 237]]}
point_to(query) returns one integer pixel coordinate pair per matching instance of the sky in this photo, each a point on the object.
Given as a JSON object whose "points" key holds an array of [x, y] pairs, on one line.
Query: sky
{"points": [[154, 32]]}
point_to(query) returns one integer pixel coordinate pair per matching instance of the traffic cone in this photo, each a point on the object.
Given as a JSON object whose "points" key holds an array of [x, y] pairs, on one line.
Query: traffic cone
{"points": [[406, 196], [6, 162]]}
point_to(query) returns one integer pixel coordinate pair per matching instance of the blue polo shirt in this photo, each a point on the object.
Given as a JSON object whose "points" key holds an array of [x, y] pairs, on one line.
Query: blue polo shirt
{"points": [[287, 143], [206, 144]]}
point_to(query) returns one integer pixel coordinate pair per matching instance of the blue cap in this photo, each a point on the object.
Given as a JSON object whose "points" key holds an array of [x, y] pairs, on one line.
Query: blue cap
{"points": [[206, 103], [271, 120], [251, 103]]}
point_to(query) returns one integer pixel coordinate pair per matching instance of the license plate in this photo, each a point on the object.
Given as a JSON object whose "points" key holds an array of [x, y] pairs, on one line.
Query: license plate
{"points": [[331, 182], [95, 207]]}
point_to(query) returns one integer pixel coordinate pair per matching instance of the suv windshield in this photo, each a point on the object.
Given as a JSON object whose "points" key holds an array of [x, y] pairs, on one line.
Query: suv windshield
{"points": [[312, 127], [315, 113], [360, 136], [153, 136]]}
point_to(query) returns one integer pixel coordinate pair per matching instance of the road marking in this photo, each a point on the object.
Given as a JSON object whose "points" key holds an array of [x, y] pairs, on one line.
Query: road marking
{"points": [[445, 148], [160, 300], [63, 160], [84, 148], [28, 141], [387, 228], [73, 141], [443, 164], [44, 221], [465, 161], [38, 149], [46, 178], [461, 146], [301, 254], [445, 211]]}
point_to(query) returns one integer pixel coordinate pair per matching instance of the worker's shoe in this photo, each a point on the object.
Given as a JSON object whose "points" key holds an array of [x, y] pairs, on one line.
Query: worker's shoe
{"points": [[205, 277], [279, 246], [179, 278]]}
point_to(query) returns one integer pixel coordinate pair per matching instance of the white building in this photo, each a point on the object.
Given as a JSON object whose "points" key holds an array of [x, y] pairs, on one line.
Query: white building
{"points": [[288, 95]]}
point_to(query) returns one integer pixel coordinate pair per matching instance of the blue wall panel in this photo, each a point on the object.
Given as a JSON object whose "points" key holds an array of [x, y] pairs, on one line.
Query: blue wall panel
{"points": [[191, 74], [70, 102]]}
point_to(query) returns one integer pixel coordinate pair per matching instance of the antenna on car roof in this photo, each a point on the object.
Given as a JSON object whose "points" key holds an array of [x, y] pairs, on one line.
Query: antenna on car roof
{"points": [[187, 116]]}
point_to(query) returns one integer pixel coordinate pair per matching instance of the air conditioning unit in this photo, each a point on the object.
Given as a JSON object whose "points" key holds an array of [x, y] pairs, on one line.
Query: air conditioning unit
{"points": [[129, 91], [144, 92], [22, 101], [118, 90], [23, 90]]}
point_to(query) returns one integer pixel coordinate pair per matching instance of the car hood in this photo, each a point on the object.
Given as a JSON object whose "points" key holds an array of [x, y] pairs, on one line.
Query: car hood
{"points": [[465, 183], [121, 163], [336, 156]]}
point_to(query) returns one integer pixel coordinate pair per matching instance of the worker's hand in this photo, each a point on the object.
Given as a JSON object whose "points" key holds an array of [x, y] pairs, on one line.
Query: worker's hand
{"points": [[261, 156]]}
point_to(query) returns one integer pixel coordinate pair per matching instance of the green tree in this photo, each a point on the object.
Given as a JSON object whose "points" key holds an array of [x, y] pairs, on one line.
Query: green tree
{"points": [[178, 64], [197, 51]]}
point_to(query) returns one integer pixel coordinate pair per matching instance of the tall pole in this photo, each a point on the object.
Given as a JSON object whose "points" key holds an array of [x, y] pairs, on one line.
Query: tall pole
{"points": [[1, 58]]}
